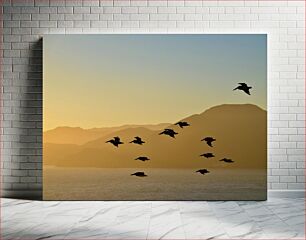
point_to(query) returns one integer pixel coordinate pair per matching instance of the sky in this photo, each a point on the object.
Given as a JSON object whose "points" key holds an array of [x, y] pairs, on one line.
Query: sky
{"points": [[115, 79]]}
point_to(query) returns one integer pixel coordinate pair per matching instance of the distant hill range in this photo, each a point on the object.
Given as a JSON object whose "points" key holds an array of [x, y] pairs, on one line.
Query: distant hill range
{"points": [[240, 130], [79, 136]]}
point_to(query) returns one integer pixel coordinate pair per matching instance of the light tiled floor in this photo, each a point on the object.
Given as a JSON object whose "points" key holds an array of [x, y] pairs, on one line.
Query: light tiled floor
{"points": [[273, 219]]}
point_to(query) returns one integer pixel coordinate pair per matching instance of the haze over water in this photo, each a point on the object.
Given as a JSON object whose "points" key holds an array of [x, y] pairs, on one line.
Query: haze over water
{"points": [[161, 184]]}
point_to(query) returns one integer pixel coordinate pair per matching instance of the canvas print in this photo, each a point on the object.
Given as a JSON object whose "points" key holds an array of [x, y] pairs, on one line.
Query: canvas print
{"points": [[155, 117]]}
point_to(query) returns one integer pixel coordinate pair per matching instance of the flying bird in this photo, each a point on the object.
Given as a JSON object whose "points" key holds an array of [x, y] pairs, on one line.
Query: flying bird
{"points": [[209, 140], [169, 132], [137, 140], [143, 159], [203, 171], [207, 155], [226, 160], [182, 124], [139, 174], [116, 141], [243, 87]]}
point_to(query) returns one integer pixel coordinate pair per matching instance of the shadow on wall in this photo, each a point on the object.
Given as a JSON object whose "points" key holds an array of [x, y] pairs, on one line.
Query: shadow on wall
{"points": [[29, 129]]}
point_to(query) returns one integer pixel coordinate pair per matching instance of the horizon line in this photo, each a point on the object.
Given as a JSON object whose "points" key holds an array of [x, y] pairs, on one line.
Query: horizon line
{"points": [[145, 124]]}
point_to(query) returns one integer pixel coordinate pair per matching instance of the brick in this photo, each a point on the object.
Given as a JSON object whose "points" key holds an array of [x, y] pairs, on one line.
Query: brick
{"points": [[130, 24], [287, 179], [96, 10], [82, 24], [296, 186], [10, 179], [128, 10], [28, 179], [138, 3], [26, 3], [74, 3], [287, 165], [280, 172], [40, 16], [190, 3], [60, 3], [56, 17], [273, 179], [148, 24], [147, 9], [121, 17], [139, 17], [21, 31], [91, 16], [300, 179], [104, 17], [48, 10], [111, 10], [186, 9], [279, 186], [166, 10], [81, 9], [21, 17], [98, 24], [29, 10], [222, 24], [75, 16], [158, 3], [202, 10], [62, 10], [176, 17], [65, 24], [19, 173], [91, 3], [296, 172], [193, 17], [42, 3]]}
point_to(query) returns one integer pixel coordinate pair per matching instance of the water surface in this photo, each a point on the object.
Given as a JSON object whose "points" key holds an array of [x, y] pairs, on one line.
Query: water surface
{"points": [[161, 184]]}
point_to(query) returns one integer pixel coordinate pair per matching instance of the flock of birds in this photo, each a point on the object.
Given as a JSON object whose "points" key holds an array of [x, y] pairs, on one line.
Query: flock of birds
{"points": [[171, 133]]}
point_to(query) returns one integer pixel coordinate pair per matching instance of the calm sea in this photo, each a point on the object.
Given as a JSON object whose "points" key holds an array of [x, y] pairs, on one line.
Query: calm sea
{"points": [[161, 184]]}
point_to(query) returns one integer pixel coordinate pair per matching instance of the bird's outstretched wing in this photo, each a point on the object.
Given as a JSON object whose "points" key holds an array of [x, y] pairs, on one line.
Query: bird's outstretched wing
{"points": [[247, 91], [243, 84]]}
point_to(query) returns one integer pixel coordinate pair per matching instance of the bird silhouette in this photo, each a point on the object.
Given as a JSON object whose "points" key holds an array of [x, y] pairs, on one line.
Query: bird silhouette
{"points": [[169, 132], [182, 124], [137, 140], [116, 141], [209, 140], [203, 171], [207, 155], [143, 159], [226, 160], [139, 174], [243, 87]]}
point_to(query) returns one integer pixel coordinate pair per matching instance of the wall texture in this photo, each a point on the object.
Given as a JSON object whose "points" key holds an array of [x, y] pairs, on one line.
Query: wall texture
{"points": [[26, 21]]}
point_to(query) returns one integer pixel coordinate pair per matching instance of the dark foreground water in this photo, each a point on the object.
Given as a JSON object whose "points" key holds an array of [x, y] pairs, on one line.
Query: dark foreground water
{"points": [[161, 184]]}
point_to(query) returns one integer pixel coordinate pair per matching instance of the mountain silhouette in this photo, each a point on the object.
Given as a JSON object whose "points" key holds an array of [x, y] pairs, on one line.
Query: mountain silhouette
{"points": [[79, 136], [241, 130]]}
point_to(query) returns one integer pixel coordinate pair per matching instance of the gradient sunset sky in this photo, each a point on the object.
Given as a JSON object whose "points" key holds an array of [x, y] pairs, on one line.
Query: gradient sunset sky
{"points": [[110, 80]]}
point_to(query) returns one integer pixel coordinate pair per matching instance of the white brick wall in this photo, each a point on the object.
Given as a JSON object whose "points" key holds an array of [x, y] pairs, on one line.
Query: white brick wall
{"points": [[25, 22]]}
